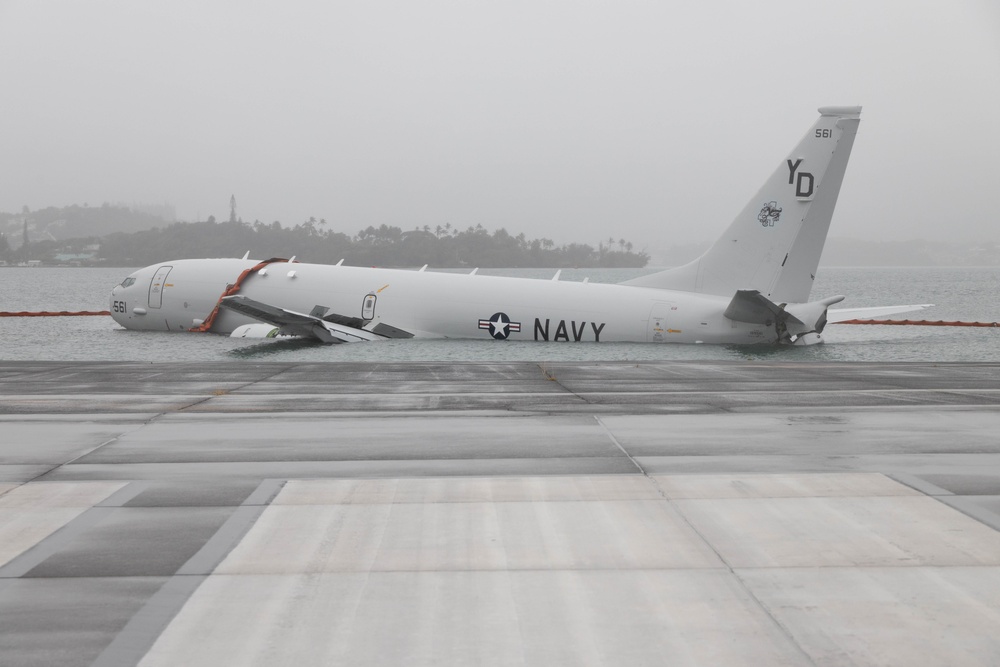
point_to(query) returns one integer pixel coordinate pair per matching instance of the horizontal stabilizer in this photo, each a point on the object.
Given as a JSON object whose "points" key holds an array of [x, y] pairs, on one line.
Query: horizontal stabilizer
{"points": [[292, 323], [792, 321], [844, 314], [753, 307]]}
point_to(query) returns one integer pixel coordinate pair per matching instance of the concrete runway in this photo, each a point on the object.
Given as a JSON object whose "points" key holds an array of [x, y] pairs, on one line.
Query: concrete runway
{"points": [[499, 514]]}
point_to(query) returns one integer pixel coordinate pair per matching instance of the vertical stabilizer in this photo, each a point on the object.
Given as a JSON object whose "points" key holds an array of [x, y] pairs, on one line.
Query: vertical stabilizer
{"points": [[774, 245]]}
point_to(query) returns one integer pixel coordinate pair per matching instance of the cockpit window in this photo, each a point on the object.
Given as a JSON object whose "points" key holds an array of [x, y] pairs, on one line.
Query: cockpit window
{"points": [[128, 281]]}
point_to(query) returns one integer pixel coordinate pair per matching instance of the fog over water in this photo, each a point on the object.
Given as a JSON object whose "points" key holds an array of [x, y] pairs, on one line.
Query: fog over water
{"points": [[571, 120]]}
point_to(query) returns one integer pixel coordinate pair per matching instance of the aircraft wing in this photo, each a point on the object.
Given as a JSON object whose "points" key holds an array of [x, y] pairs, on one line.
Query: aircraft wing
{"points": [[844, 314], [292, 323]]}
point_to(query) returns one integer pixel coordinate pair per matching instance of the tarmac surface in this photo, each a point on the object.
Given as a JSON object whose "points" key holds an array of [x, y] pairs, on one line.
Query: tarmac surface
{"points": [[499, 513]]}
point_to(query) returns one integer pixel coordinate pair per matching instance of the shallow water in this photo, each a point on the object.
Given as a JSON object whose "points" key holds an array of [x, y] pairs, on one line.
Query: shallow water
{"points": [[968, 294]]}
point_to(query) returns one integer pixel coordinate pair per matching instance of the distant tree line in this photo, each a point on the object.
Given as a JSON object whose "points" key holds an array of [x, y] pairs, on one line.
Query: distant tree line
{"points": [[116, 235], [385, 245]]}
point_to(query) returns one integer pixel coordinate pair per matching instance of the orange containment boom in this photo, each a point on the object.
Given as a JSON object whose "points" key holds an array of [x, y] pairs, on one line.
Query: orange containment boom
{"points": [[231, 290], [923, 323], [61, 313]]}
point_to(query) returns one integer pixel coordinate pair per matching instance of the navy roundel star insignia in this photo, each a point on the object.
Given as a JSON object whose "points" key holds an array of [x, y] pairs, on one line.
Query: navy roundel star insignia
{"points": [[500, 326]]}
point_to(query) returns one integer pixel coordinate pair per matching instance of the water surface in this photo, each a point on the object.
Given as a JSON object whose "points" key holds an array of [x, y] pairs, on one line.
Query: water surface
{"points": [[968, 294]]}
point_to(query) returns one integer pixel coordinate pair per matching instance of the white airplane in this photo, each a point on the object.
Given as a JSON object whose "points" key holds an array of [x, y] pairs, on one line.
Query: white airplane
{"points": [[752, 286]]}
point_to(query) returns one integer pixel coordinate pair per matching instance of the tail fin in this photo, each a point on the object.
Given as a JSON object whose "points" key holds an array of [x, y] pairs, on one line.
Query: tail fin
{"points": [[773, 246]]}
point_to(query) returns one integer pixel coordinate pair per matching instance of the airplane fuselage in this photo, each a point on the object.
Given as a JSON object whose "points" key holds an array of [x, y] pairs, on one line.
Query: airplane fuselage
{"points": [[751, 286], [179, 295]]}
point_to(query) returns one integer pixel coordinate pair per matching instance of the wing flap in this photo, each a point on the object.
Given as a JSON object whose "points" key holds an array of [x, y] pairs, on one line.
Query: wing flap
{"points": [[293, 323]]}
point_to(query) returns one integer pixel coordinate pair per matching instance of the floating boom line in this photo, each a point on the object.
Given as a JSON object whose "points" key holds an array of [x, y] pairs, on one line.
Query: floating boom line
{"points": [[52, 313], [922, 323]]}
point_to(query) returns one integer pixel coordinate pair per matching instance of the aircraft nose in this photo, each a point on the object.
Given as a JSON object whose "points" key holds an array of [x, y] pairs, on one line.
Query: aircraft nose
{"points": [[123, 297], [114, 303]]}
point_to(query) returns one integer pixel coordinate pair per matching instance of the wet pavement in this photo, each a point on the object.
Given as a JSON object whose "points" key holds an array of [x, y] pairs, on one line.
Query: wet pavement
{"points": [[499, 513]]}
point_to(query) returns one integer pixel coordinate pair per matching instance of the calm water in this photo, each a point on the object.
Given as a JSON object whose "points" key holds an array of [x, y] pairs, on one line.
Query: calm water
{"points": [[960, 294]]}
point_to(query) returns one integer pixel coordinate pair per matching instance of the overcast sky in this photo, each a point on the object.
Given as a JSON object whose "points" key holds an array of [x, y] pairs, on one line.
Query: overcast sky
{"points": [[575, 120]]}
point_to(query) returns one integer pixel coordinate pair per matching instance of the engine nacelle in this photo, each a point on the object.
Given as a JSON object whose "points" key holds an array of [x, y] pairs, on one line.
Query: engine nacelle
{"points": [[257, 330]]}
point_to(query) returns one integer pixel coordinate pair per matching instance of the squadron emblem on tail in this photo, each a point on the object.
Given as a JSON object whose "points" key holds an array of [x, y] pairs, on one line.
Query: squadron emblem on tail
{"points": [[770, 214]]}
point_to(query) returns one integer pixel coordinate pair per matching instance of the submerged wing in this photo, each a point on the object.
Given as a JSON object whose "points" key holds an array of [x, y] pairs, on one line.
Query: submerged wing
{"points": [[298, 324], [844, 314]]}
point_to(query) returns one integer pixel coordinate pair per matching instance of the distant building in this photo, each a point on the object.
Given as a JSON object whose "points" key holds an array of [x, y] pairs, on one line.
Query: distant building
{"points": [[74, 259]]}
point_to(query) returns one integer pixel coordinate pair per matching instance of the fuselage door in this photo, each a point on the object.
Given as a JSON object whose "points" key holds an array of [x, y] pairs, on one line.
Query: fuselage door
{"points": [[368, 307], [661, 316], [156, 286]]}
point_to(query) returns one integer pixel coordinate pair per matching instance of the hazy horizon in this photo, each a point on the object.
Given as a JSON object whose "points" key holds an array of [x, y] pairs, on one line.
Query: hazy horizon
{"points": [[573, 121]]}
